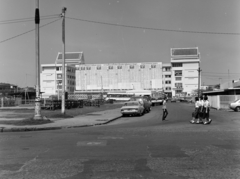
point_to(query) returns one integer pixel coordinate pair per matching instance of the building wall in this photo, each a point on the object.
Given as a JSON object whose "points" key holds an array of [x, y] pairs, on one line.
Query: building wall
{"points": [[167, 79], [51, 79], [185, 77], [190, 77], [119, 76]]}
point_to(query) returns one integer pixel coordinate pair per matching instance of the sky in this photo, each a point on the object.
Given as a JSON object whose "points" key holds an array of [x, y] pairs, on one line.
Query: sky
{"points": [[120, 31]]}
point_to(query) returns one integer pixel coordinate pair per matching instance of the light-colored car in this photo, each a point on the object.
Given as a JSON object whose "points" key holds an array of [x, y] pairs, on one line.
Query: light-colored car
{"points": [[235, 105], [132, 108]]}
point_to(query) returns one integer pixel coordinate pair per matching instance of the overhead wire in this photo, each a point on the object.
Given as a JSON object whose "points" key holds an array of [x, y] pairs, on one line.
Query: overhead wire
{"points": [[28, 31], [28, 19], [151, 28]]}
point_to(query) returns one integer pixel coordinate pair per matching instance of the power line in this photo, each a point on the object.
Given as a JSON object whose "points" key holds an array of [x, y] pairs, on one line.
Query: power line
{"points": [[20, 21], [27, 31], [28, 19], [151, 28]]}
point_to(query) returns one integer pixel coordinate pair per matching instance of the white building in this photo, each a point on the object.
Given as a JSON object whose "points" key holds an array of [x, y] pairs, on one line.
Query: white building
{"points": [[51, 79], [180, 77], [185, 64], [167, 78], [119, 76], [51, 75]]}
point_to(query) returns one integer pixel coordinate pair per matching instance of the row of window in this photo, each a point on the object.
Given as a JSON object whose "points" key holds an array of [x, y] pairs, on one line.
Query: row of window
{"points": [[112, 67], [68, 69], [59, 76], [177, 65], [71, 77], [59, 82]]}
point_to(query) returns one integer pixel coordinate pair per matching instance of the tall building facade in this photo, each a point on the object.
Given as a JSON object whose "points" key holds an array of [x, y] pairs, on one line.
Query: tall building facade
{"points": [[119, 76], [51, 74], [51, 79], [177, 78], [185, 64]]}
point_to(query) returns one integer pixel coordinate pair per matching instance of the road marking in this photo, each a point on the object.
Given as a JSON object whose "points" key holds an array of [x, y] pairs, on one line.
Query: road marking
{"points": [[92, 143], [109, 137]]}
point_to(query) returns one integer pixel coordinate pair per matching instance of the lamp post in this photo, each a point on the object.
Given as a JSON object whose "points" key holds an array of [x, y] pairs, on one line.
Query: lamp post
{"points": [[63, 62], [37, 115]]}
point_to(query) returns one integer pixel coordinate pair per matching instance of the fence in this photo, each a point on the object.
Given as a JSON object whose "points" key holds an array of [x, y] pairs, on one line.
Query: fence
{"points": [[7, 102], [222, 101]]}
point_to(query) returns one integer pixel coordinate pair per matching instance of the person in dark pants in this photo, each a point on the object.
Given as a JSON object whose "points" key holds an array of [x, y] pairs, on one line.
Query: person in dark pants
{"points": [[200, 112], [206, 111], [164, 107], [195, 113]]}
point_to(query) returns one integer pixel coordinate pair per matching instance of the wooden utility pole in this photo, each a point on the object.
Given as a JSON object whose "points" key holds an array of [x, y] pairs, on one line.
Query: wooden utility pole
{"points": [[63, 58], [37, 115]]}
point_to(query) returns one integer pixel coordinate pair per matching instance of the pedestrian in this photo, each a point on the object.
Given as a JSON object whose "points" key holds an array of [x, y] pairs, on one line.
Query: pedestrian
{"points": [[207, 106], [164, 107], [200, 111], [196, 111]]}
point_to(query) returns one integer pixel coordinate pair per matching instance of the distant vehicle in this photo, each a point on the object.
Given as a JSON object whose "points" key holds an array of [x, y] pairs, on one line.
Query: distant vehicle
{"points": [[173, 100], [132, 108], [145, 101], [235, 105], [119, 96], [156, 97]]}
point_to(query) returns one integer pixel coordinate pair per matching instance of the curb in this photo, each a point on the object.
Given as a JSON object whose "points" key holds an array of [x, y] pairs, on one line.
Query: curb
{"points": [[28, 129]]}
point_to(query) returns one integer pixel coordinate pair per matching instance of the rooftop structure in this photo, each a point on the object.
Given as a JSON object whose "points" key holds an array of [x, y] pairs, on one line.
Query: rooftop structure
{"points": [[71, 58]]}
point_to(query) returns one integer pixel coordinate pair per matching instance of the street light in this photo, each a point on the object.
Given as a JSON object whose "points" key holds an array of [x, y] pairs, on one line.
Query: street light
{"points": [[37, 99]]}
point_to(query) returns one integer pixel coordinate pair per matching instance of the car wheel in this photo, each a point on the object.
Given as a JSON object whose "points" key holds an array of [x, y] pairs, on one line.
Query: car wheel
{"points": [[237, 109]]}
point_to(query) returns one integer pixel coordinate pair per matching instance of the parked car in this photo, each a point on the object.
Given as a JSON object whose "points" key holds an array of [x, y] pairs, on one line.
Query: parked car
{"points": [[132, 108], [146, 102], [235, 105]]}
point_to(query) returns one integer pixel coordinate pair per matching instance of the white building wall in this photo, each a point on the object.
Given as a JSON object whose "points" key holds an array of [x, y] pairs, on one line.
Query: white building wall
{"points": [[119, 76], [190, 77], [49, 79]]}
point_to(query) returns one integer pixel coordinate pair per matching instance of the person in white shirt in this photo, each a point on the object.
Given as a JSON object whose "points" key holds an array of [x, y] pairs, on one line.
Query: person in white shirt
{"points": [[200, 111], [164, 107]]}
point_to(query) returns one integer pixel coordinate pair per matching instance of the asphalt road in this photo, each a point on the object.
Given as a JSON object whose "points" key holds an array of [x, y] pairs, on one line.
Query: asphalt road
{"points": [[129, 148]]}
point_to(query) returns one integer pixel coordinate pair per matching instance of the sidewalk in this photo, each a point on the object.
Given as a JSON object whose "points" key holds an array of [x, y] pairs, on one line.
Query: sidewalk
{"points": [[90, 119]]}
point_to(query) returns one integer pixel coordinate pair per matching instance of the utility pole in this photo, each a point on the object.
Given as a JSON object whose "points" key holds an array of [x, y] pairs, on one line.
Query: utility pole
{"points": [[63, 62], [199, 76], [37, 115]]}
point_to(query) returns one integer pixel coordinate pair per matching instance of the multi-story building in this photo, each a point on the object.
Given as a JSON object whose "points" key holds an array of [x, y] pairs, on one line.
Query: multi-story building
{"points": [[167, 78], [51, 79], [185, 65], [180, 77], [119, 76], [51, 75]]}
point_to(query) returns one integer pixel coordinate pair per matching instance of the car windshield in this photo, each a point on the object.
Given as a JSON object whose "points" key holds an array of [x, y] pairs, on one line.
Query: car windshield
{"points": [[132, 103], [236, 100]]}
